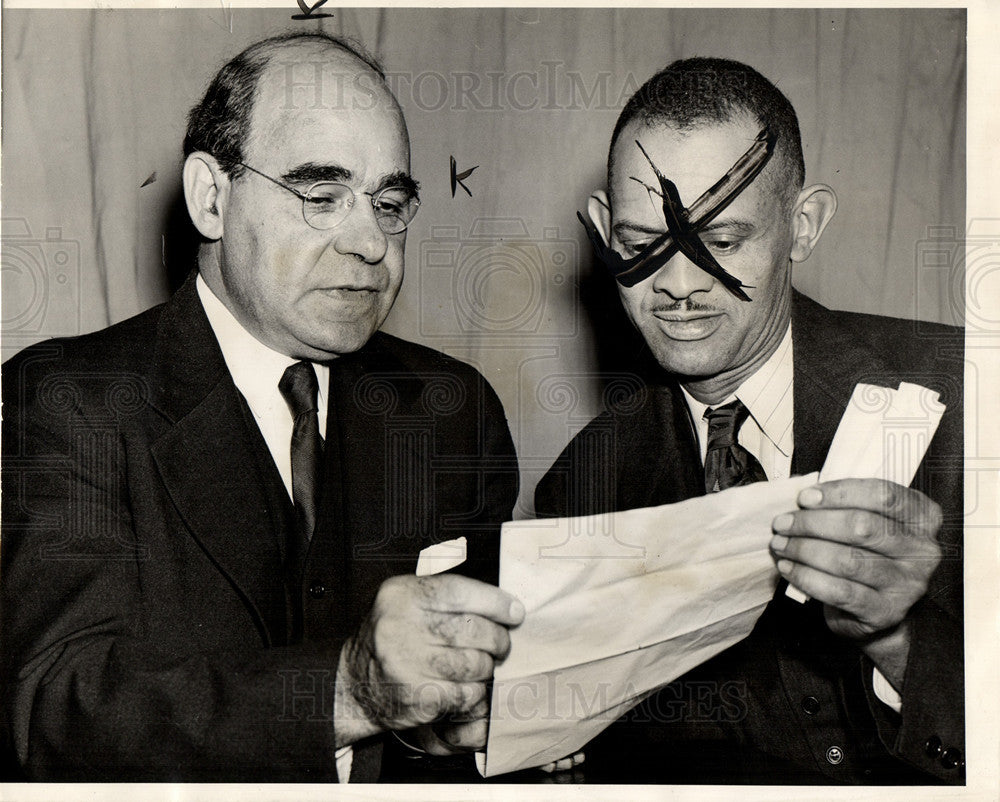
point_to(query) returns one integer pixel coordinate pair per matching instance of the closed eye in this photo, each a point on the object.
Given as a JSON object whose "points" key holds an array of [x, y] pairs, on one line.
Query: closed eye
{"points": [[630, 248], [723, 246]]}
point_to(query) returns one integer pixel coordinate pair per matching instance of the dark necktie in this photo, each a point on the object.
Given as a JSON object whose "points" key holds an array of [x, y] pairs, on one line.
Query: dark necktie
{"points": [[727, 463], [299, 387]]}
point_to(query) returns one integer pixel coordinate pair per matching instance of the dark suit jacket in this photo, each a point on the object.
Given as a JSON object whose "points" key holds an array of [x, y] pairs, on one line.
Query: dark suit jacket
{"points": [[145, 615], [792, 702]]}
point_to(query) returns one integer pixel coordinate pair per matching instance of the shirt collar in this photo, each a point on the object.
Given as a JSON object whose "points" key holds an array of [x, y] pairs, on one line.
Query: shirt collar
{"points": [[767, 394], [256, 369]]}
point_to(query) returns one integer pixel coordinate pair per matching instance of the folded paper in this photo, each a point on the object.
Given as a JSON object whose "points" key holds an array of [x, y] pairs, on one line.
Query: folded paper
{"points": [[619, 604]]}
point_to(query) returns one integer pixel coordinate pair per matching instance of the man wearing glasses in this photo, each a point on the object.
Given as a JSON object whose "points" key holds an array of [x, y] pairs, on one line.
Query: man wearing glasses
{"points": [[213, 519]]}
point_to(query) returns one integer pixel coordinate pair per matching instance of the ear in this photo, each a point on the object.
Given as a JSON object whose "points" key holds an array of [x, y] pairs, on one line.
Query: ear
{"points": [[599, 212], [206, 188], [814, 208]]}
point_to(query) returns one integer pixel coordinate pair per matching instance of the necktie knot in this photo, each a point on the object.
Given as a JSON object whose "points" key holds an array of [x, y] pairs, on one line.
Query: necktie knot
{"points": [[299, 388], [727, 463], [724, 423]]}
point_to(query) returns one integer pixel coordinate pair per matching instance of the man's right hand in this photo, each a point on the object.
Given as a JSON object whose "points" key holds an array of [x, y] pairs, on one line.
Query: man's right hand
{"points": [[426, 650]]}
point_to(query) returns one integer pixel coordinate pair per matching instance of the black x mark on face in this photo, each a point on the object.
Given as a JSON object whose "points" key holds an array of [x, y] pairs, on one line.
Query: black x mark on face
{"points": [[683, 224]]}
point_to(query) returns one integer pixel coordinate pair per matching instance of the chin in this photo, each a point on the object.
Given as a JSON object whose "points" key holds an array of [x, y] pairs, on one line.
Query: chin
{"points": [[692, 365], [347, 339], [678, 356]]}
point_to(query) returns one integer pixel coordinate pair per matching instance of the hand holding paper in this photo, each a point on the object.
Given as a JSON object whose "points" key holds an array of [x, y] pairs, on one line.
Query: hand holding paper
{"points": [[864, 547], [458, 732], [867, 546], [427, 649]]}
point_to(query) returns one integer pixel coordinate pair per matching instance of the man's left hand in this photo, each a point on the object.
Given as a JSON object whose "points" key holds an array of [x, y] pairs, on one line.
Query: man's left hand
{"points": [[866, 548]]}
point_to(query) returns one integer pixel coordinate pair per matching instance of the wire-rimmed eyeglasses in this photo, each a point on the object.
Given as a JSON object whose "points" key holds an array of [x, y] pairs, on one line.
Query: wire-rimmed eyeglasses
{"points": [[326, 204]]}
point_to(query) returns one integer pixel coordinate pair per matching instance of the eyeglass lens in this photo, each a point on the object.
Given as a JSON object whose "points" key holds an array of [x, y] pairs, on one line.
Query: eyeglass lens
{"points": [[328, 204]]}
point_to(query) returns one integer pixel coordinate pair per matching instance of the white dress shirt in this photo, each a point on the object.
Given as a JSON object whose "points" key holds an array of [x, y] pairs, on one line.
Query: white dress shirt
{"points": [[256, 370], [768, 435], [767, 394]]}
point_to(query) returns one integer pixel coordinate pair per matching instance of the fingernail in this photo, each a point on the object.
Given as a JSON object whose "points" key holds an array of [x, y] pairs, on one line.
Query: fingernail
{"points": [[811, 497], [783, 522], [778, 543], [784, 566], [516, 610]]}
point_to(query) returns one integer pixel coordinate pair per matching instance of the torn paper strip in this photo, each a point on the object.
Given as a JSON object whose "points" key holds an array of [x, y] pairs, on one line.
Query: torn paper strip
{"points": [[883, 434]]}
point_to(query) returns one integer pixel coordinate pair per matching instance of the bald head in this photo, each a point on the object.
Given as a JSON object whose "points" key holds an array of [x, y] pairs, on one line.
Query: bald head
{"points": [[309, 69]]}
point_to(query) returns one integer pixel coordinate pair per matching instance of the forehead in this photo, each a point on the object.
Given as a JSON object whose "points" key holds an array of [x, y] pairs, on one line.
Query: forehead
{"points": [[693, 160], [318, 104]]}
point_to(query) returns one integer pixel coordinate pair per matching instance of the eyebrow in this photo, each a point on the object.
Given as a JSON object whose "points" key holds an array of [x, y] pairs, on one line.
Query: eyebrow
{"points": [[742, 227], [398, 179], [311, 172], [636, 228]]}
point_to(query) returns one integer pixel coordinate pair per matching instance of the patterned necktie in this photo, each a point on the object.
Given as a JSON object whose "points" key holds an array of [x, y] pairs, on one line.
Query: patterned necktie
{"points": [[727, 463], [299, 387]]}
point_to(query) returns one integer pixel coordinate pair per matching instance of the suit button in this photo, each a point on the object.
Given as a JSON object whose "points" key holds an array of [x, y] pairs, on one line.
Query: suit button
{"points": [[317, 591], [834, 755], [810, 704], [952, 758], [933, 746]]}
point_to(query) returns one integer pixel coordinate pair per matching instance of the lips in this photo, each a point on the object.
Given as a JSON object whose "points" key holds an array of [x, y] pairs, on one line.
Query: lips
{"points": [[686, 326], [348, 292]]}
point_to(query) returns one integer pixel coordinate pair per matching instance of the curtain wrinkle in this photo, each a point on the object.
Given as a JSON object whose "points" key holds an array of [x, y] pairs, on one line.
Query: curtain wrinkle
{"points": [[22, 37], [90, 89], [900, 136], [821, 94], [380, 28]]}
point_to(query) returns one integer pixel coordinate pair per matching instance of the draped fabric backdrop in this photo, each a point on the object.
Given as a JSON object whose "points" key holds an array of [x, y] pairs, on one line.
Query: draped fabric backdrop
{"points": [[94, 229]]}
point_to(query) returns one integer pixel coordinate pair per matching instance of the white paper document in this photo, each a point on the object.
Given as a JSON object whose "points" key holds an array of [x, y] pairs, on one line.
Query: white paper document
{"points": [[620, 604]]}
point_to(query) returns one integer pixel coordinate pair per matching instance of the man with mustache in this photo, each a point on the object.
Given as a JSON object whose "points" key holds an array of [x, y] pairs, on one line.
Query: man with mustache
{"points": [[705, 214], [213, 511]]}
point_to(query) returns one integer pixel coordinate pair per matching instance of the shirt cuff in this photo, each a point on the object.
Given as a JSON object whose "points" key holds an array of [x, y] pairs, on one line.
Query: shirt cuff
{"points": [[344, 757], [885, 692]]}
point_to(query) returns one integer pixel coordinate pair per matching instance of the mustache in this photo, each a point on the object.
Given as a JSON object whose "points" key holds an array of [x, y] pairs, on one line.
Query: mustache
{"points": [[685, 305]]}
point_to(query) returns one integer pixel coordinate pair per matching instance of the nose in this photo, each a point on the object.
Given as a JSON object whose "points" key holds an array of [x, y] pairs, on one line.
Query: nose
{"points": [[359, 234], [680, 278]]}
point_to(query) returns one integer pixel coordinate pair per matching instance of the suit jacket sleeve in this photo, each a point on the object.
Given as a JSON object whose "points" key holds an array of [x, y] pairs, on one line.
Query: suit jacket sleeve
{"points": [[931, 734]]}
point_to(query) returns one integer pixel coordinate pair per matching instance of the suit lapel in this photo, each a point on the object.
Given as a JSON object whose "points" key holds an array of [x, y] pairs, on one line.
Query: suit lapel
{"points": [[207, 461], [681, 470], [829, 360]]}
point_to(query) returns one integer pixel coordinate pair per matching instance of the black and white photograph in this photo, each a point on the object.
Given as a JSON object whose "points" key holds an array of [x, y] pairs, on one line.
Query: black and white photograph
{"points": [[479, 401]]}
